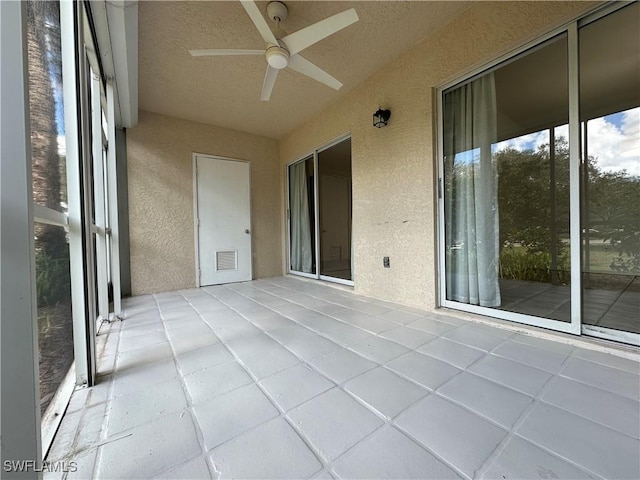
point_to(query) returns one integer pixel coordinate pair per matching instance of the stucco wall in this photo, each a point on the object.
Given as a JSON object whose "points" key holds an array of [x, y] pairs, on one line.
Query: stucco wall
{"points": [[393, 168], [160, 171]]}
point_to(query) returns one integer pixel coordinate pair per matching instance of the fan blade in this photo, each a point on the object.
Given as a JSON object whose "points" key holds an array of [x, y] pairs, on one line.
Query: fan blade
{"points": [[217, 52], [298, 41], [305, 67], [269, 82], [259, 21]]}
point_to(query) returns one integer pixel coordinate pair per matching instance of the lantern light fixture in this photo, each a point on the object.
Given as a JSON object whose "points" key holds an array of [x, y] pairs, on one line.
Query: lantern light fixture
{"points": [[381, 117]]}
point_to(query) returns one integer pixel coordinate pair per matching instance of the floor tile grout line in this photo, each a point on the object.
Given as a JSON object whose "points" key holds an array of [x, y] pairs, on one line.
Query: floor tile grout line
{"points": [[556, 455], [321, 334], [511, 387], [347, 347], [307, 443], [537, 399], [435, 391], [283, 413], [341, 305], [513, 329], [189, 401], [378, 364], [561, 374], [345, 454], [105, 420], [576, 414], [82, 412], [445, 461], [566, 355], [605, 365], [484, 353], [382, 417], [611, 304], [438, 394], [386, 420], [570, 355]]}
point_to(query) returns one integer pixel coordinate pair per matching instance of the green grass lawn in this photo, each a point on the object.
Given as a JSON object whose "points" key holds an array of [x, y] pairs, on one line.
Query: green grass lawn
{"points": [[600, 257], [516, 263]]}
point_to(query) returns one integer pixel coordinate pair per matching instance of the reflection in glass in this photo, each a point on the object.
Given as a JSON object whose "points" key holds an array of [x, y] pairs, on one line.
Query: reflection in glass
{"points": [[334, 175], [506, 186], [610, 124], [55, 326], [302, 217], [53, 284], [45, 105]]}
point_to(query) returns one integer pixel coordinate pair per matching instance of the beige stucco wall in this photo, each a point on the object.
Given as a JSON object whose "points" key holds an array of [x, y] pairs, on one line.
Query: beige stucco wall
{"points": [[393, 167], [160, 171]]}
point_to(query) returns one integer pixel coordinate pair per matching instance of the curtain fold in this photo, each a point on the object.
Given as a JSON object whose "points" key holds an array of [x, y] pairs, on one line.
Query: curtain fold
{"points": [[301, 246], [471, 197]]}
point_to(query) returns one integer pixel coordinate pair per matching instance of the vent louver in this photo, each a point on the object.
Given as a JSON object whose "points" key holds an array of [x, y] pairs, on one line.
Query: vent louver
{"points": [[227, 260]]}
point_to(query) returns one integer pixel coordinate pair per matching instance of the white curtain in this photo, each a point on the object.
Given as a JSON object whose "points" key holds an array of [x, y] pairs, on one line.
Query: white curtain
{"points": [[471, 194], [301, 257]]}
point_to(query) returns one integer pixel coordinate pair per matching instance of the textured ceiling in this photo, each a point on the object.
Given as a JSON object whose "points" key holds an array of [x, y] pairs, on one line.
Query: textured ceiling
{"points": [[225, 91]]}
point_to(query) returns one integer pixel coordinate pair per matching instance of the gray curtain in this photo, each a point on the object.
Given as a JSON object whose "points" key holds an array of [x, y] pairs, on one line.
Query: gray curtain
{"points": [[301, 257], [471, 197]]}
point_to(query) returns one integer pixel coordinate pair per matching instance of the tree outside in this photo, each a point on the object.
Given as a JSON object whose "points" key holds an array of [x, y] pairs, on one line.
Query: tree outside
{"points": [[533, 193], [55, 335]]}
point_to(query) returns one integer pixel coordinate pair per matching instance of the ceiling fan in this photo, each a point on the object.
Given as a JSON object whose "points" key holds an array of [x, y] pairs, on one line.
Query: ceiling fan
{"points": [[284, 52]]}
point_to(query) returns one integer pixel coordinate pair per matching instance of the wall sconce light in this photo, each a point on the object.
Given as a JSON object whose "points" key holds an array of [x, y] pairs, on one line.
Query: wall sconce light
{"points": [[381, 118]]}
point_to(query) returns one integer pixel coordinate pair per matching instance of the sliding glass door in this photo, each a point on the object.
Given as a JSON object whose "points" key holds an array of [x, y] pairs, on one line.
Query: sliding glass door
{"points": [[319, 196], [539, 212], [506, 178], [302, 217], [610, 124], [334, 198]]}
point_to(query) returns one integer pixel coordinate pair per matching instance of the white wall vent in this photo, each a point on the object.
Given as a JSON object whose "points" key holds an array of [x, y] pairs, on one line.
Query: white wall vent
{"points": [[226, 260]]}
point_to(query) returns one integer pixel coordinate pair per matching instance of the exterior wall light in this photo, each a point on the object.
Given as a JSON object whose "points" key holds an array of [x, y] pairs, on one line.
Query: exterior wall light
{"points": [[381, 118]]}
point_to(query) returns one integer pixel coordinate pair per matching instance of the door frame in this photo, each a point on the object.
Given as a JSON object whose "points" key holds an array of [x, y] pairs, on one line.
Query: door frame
{"points": [[316, 219], [312, 157], [576, 326], [196, 223]]}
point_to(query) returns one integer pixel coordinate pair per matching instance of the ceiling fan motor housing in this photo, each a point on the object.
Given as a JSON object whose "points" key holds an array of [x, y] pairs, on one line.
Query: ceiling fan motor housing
{"points": [[277, 11], [277, 57]]}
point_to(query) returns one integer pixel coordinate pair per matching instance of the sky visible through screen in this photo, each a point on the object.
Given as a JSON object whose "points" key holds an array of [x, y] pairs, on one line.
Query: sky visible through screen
{"points": [[613, 140]]}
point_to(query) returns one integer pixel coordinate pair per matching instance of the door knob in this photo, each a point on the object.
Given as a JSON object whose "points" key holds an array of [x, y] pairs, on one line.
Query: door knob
{"points": [[247, 231]]}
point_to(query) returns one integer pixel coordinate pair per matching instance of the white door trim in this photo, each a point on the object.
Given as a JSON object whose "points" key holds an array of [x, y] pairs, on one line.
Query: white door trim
{"points": [[196, 226]]}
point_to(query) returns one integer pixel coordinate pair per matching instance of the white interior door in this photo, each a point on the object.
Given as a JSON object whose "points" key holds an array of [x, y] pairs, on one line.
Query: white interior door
{"points": [[223, 220]]}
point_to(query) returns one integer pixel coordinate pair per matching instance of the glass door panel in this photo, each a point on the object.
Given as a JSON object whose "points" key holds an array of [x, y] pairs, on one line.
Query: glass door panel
{"points": [[334, 178], [302, 217], [533, 205], [49, 174], [609, 56], [506, 189]]}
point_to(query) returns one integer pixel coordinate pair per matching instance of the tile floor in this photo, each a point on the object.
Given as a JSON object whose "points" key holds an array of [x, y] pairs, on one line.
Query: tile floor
{"points": [[284, 378], [613, 308]]}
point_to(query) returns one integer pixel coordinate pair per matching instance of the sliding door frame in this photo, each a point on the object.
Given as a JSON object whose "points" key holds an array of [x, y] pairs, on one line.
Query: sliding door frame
{"points": [[575, 326], [316, 209], [595, 330], [288, 205]]}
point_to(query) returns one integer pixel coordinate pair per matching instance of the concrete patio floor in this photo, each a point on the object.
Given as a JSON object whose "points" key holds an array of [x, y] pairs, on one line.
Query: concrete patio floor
{"points": [[286, 378]]}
